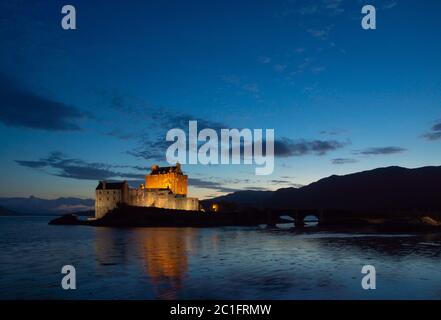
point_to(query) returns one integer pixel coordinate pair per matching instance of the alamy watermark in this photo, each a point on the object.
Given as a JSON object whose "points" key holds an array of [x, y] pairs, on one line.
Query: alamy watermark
{"points": [[368, 22], [205, 147], [369, 281], [69, 21], [69, 281]]}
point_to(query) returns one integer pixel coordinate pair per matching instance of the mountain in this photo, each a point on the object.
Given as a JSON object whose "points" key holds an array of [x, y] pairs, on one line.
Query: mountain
{"points": [[246, 197], [382, 188], [6, 212], [34, 205]]}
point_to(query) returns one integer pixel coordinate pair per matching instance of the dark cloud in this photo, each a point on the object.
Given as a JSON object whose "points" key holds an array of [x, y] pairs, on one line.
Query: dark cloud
{"points": [[21, 107], [84, 172], [151, 150], [161, 117], [139, 168], [155, 148], [286, 182], [283, 148], [434, 134], [206, 184], [151, 145], [381, 151], [32, 164], [343, 160], [437, 127], [286, 147], [333, 132], [121, 134], [257, 189], [60, 165]]}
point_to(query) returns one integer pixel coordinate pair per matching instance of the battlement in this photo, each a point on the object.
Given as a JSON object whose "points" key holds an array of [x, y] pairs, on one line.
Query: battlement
{"points": [[165, 187], [171, 178]]}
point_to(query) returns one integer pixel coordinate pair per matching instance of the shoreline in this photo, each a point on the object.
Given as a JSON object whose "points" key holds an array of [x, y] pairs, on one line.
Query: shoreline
{"points": [[127, 216]]}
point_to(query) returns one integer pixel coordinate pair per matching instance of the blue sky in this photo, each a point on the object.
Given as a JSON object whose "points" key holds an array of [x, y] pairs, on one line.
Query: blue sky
{"points": [[95, 103]]}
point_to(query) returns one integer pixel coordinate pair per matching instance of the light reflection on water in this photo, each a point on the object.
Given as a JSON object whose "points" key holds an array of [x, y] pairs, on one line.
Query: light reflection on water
{"points": [[217, 263]]}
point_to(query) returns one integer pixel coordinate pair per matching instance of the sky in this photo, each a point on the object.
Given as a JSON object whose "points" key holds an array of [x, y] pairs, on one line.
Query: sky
{"points": [[95, 103]]}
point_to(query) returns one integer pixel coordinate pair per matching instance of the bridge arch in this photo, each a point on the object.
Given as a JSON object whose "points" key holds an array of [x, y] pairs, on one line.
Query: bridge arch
{"points": [[301, 218]]}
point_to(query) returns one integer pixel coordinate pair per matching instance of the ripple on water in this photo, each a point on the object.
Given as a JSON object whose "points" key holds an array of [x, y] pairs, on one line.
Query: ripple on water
{"points": [[220, 263]]}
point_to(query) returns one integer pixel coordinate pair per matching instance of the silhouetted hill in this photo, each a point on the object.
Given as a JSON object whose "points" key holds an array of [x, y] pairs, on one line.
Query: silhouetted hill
{"points": [[34, 205], [383, 188], [6, 212], [246, 197]]}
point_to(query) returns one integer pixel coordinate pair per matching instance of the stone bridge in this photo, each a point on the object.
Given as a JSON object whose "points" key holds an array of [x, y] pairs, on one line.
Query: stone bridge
{"points": [[327, 217]]}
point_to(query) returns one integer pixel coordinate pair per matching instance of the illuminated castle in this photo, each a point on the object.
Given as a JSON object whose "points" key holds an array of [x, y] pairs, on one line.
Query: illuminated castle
{"points": [[165, 187], [170, 178]]}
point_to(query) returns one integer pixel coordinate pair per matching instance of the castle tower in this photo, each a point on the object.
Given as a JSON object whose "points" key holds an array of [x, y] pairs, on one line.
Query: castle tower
{"points": [[108, 195], [170, 178]]}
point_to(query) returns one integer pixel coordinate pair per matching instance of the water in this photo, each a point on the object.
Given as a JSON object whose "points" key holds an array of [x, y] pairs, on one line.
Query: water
{"points": [[217, 263]]}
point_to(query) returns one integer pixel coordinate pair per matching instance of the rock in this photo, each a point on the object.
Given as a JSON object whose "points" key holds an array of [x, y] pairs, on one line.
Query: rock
{"points": [[67, 219]]}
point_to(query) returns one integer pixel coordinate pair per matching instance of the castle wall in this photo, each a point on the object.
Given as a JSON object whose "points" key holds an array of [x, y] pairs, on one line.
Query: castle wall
{"points": [[106, 200], [161, 199], [177, 183]]}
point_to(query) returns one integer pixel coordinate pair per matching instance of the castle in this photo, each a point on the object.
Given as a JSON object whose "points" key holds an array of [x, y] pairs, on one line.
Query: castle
{"points": [[165, 187]]}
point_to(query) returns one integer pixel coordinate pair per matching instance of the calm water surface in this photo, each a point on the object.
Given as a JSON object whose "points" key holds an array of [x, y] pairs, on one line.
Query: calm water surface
{"points": [[217, 263]]}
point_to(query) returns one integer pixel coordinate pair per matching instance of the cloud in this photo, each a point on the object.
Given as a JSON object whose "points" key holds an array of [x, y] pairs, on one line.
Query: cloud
{"points": [[151, 150], [280, 67], [317, 70], [326, 8], [264, 60], [286, 147], [381, 151], [121, 134], [231, 79], [286, 182], [251, 87], [333, 132], [343, 161], [20, 107], [241, 84], [257, 189], [389, 5], [60, 165], [434, 134], [154, 148], [308, 10], [323, 7], [321, 34], [151, 143], [199, 183], [32, 164]]}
